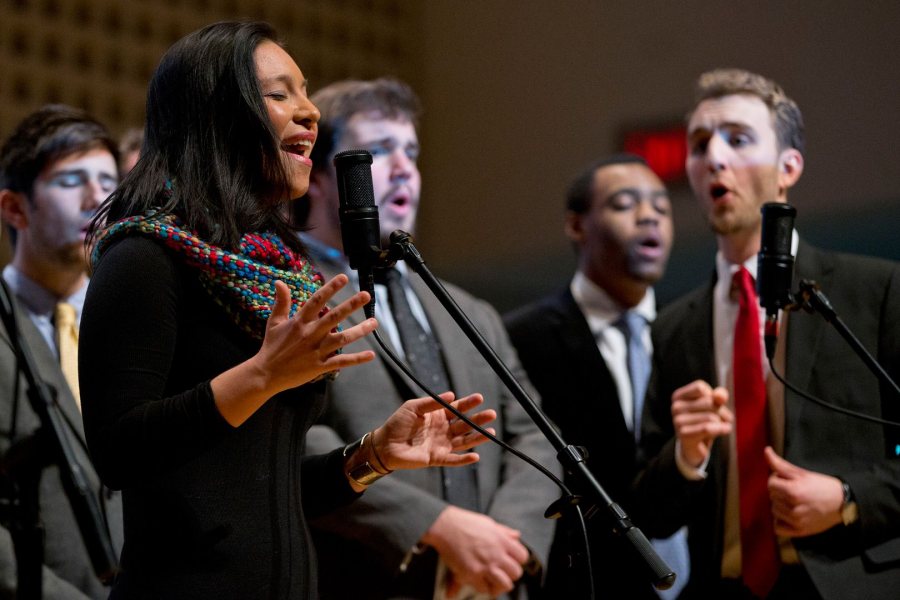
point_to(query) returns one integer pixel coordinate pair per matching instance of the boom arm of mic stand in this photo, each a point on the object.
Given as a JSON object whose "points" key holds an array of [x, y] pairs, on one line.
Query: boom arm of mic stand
{"points": [[813, 299], [571, 458]]}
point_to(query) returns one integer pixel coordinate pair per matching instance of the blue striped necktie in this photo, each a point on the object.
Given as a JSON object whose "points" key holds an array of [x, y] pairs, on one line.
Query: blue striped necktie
{"points": [[674, 548]]}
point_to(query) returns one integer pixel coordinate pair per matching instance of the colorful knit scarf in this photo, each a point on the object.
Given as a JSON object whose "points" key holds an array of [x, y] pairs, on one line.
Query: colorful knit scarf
{"points": [[241, 283]]}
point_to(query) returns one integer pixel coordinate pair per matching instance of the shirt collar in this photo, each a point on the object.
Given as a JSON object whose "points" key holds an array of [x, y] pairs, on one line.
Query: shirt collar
{"points": [[36, 298], [600, 309], [725, 270], [321, 252]]}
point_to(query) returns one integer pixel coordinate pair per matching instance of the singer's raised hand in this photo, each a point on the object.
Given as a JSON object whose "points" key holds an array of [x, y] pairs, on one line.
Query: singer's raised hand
{"points": [[295, 350], [301, 348], [421, 433]]}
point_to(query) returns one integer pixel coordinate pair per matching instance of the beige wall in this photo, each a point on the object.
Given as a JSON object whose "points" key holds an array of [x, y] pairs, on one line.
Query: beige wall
{"points": [[519, 94], [522, 93]]}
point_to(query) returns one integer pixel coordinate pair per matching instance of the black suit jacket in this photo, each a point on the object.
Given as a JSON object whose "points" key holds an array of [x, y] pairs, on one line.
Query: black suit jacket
{"points": [[862, 561], [579, 395]]}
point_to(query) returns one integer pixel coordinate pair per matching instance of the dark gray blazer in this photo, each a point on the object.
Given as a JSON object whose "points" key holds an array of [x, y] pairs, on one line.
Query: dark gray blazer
{"points": [[375, 533], [67, 572], [862, 561], [578, 393]]}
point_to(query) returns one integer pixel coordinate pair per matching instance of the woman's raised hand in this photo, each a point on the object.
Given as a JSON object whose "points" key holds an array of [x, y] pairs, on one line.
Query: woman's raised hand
{"points": [[298, 349], [295, 350]]}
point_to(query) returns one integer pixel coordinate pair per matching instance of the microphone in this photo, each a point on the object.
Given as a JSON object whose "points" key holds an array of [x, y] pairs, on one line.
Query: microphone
{"points": [[360, 230], [775, 267]]}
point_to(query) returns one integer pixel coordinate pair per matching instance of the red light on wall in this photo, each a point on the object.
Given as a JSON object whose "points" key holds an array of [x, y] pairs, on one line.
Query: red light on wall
{"points": [[664, 149]]}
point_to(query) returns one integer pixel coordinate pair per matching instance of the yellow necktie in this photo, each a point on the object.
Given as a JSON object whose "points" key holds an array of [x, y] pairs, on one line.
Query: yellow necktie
{"points": [[67, 342]]}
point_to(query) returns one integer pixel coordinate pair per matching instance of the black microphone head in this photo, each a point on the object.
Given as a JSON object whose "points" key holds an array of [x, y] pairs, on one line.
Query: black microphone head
{"points": [[775, 263], [777, 227], [360, 229], [354, 178]]}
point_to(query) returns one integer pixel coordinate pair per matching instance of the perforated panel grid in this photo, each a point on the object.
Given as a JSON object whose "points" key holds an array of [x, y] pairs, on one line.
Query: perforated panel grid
{"points": [[99, 54]]}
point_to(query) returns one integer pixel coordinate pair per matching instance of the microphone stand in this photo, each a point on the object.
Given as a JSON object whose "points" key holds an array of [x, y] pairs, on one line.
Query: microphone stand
{"points": [[20, 474], [812, 299], [572, 459]]}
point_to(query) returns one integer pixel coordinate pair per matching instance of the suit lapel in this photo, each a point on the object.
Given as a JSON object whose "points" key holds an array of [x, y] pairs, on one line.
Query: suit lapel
{"points": [[466, 370], [699, 319], [805, 331], [458, 351], [329, 271], [804, 334], [47, 368], [579, 344]]}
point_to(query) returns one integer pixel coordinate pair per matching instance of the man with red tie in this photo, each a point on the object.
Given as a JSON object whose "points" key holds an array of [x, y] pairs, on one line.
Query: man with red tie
{"points": [[782, 498]]}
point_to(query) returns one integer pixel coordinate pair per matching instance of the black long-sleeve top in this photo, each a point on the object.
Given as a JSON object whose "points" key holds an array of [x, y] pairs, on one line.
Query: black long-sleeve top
{"points": [[210, 511]]}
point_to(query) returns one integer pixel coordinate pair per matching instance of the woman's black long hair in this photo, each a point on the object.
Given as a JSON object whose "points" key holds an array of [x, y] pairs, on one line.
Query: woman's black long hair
{"points": [[210, 154]]}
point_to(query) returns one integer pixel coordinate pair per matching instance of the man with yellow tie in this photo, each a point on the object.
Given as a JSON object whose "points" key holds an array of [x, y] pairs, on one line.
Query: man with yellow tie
{"points": [[56, 168]]}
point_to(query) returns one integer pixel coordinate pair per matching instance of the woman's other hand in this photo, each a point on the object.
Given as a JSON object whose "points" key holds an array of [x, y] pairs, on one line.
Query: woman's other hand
{"points": [[421, 433]]}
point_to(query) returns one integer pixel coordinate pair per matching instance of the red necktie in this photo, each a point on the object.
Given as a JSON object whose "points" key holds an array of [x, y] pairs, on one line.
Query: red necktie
{"points": [[759, 547]]}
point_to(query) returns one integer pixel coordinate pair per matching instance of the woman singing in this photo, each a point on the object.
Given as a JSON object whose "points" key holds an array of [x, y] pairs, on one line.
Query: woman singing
{"points": [[206, 344]]}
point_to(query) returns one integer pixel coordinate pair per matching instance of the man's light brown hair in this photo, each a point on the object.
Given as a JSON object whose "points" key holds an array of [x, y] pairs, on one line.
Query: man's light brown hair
{"points": [[786, 116]]}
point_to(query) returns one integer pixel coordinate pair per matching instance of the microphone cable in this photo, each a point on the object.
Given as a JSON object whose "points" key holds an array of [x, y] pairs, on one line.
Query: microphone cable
{"points": [[462, 417], [521, 455], [828, 405]]}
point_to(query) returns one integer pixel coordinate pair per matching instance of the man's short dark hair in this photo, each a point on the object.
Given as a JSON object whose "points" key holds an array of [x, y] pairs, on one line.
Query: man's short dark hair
{"points": [[45, 136], [578, 198], [786, 116]]}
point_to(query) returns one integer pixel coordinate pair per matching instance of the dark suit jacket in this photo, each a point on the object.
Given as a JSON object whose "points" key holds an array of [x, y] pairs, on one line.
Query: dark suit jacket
{"points": [[362, 546], [67, 573], [579, 395], [862, 561]]}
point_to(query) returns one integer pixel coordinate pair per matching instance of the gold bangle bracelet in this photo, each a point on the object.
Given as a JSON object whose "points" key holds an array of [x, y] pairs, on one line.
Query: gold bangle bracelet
{"points": [[364, 473], [387, 471]]}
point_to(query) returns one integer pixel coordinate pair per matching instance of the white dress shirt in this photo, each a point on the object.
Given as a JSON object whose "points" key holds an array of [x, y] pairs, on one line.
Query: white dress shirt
{"points": [[601, 312]]}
